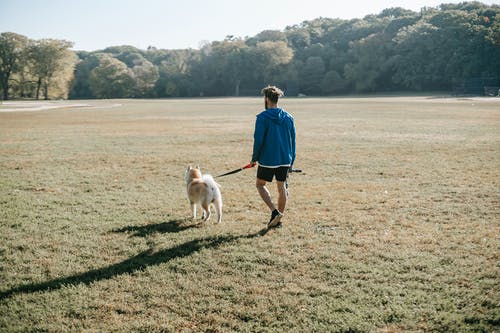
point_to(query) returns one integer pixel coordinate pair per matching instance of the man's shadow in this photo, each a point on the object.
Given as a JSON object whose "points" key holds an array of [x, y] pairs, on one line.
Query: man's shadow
{"points": [[172, 226], [136, 263]]}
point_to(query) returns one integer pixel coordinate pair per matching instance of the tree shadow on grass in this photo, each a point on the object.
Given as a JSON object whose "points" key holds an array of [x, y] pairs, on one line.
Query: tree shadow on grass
{"points": [[131, 265]]}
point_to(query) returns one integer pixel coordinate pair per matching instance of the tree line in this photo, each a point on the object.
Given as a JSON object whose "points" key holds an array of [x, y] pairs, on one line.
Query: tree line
{"points": [[396, 50]]}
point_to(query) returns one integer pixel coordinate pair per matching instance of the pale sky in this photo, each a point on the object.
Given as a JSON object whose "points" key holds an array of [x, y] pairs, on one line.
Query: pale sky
{"points": [[175, 24]]}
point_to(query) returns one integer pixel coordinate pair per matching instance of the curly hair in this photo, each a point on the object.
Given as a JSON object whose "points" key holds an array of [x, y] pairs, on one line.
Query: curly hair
{"points": [[273, 93]]}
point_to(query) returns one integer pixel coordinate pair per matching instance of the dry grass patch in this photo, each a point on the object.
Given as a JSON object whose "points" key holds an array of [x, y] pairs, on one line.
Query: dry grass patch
{"points": [[392, 226]]}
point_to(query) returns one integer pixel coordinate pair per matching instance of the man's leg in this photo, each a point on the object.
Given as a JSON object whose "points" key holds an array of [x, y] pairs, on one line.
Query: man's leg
{"points": [[265, 176], [282, 196], [264, 193]]}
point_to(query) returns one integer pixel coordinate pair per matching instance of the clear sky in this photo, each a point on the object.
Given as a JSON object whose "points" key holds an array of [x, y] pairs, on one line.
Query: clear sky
{"points": [[175, 24]]}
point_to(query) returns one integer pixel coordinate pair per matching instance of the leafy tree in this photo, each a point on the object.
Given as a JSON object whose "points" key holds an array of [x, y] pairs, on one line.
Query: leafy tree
{"points": [[312, 76], [445, 46], [146, 75], [175, 68], [371, 69], [267, 59], [226, 64], [298, 38], [289, 78], [413, 59], [333, 83], [80, 88], [12, 48], [121, 51], [130, 59], [494, 31], [267, 36], [52, 65], [111, 78]]}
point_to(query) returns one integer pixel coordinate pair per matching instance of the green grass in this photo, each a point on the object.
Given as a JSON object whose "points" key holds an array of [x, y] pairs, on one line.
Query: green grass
{"points": [[393, 225]]}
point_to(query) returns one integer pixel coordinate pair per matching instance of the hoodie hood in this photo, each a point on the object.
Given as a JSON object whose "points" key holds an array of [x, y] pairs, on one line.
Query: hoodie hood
{"points": [[276, 114]]}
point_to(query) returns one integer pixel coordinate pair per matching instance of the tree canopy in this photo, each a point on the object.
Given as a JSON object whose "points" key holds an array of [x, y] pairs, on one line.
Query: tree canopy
{"points": [[436, 49]]}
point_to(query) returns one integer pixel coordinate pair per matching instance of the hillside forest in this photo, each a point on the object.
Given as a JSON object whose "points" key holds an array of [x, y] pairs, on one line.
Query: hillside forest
{"points": [[442, 48]]}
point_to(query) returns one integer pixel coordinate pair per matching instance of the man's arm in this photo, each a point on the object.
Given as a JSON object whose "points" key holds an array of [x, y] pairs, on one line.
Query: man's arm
{"points": [[258, 139]]}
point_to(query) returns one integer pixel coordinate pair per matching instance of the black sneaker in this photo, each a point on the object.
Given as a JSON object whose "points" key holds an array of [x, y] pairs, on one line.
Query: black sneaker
{"points": [[275, 219]]}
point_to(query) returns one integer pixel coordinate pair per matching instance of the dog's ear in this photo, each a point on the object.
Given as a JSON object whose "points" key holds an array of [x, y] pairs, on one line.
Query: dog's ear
{"points": [[198, 167]]}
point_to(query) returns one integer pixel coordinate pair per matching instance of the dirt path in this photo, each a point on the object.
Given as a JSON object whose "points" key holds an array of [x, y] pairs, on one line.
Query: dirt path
{"points": [[30, 106]]}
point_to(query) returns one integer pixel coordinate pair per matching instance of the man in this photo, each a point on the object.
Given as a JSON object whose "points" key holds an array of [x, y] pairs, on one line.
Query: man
{"points": [[274, 150]]}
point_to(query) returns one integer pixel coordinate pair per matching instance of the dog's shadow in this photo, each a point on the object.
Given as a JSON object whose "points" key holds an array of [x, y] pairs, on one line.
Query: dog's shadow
{"points": [[135, 263], [172, 226]]}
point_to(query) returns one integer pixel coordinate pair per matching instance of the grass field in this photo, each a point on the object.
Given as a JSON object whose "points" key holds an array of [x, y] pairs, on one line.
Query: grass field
{"points": [[393, 225]]}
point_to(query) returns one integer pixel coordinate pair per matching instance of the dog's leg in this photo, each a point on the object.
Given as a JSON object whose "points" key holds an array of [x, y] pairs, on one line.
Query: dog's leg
{"points": [[218, 209], [193, 209], [206, 211], [204, 215]]}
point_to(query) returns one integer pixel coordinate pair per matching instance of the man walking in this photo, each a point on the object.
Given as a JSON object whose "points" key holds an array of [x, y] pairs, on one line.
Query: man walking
{"points": [[274, 150]]}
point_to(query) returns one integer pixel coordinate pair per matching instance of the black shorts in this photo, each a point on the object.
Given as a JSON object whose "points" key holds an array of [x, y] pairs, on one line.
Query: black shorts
{"points": [[267, 174]]}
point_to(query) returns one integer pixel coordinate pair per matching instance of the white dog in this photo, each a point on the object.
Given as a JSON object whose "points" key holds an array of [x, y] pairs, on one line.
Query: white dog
{"points": [[203, 190]]}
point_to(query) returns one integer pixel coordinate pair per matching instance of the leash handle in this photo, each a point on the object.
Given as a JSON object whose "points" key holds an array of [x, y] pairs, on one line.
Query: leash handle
{"points": [[249, 165]]}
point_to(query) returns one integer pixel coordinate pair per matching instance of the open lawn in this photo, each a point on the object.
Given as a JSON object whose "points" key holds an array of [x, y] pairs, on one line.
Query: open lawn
{"points": [[392, 226]]}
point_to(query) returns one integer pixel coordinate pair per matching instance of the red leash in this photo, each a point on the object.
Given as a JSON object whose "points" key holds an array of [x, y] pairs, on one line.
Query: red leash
{"points": [[248, 166]]}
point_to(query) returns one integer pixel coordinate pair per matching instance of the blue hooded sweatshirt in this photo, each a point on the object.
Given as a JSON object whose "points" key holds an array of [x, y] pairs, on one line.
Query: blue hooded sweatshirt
{"points": [[274, 139]]}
